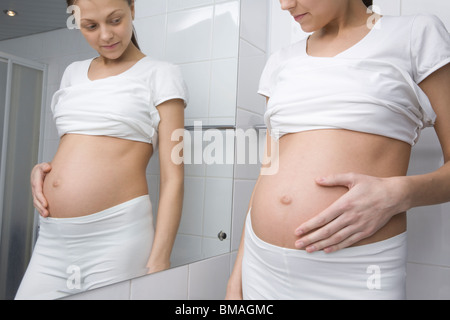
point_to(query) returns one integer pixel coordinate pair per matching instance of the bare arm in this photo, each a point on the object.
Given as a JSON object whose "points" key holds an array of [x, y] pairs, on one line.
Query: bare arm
{"points": [[434, 188], [371, 201], [171, 186]]}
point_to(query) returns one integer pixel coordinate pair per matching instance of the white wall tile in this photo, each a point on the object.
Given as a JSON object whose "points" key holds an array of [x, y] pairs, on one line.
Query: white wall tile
{"points": [[153, 191], [174, 5], [246, 49], [280, 27], [218, 206], [254, 22], [428, 235], [247, 119], [250, 70], [189, 35], [223, 88], [222, 158], [388, 7], [197, 76], [208, 279], [242, 194], [151, 36], [147, 8], [213, 246], [168, 285], [427, 282], [187, 249], [440, 8], [250, 149], [153, 166], [192, 223], [226, 30]]}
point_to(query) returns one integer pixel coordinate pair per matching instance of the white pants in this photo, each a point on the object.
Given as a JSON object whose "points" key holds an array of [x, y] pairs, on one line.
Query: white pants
{"points": [[373, 271], [73, 255]]}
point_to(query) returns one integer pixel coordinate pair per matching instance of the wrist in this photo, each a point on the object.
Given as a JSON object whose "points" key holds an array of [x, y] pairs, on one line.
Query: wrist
{"points": [[234, 288], [404, 187]]}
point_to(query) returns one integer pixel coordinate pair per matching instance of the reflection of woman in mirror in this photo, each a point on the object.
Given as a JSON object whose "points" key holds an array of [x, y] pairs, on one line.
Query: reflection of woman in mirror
{"points": [[111, 112], [346, 104]]}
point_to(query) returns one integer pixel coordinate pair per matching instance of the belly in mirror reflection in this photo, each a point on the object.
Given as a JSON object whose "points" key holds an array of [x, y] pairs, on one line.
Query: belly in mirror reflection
{"points": [[111, 203], [100, 228], [110, 112], [100, 221]]}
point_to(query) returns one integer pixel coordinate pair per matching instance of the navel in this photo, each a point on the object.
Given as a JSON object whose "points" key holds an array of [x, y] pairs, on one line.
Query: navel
{"points": [[286, 200], [56, 183]]}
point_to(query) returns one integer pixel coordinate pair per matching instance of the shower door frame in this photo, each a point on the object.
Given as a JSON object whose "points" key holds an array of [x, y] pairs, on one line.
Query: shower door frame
{"points": [[11, 60]]}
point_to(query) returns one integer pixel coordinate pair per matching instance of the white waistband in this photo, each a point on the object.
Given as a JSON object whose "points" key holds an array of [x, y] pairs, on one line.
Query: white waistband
{"points": [[373, 271], [368, 249], [99, 215]]}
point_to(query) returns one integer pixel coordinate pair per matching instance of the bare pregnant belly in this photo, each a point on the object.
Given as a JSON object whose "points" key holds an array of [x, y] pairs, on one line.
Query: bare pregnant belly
{"points": [[284, 200], [92, 173]]}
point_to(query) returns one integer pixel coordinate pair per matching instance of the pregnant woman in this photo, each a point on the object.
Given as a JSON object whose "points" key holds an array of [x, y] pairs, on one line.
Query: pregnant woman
{"points": [[112, 112], [345, 106]]}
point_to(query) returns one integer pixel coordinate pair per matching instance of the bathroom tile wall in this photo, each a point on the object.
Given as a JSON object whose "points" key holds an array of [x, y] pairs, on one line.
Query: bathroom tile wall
{"points": [[211, 67], [202, 37], [428, 267], [429, 228]]}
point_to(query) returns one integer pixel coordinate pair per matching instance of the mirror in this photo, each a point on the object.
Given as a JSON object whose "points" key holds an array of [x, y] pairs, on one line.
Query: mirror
{"points": [[210, 70], [202, 38]]}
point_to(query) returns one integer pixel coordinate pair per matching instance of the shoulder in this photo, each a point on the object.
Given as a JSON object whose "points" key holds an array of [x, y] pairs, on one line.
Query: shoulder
{"points": [[292, 51], [150, 64], [165, 80], [428, 25], [79, 65], [156, 69], [75, 72], [412, 23], [426, 20]]}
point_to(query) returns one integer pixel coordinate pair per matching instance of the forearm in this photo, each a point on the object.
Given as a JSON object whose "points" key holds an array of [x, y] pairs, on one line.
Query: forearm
{"points": [[168, 219], [429, 189]]}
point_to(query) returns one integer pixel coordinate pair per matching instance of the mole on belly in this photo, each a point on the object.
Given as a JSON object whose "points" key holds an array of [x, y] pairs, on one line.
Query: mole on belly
{"points": [[286, 200]]}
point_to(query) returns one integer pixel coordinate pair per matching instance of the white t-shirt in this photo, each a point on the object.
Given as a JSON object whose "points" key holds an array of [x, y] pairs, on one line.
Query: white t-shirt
{"points": [[121, 106], [371, 87]]}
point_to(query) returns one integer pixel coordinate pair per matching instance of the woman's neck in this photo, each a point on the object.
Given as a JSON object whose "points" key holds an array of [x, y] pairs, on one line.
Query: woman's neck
{"points": [[350, 17], [131, 54]]}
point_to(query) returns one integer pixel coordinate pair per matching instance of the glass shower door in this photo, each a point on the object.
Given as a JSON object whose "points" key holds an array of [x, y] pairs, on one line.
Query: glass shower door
{"points": [[20, 118], [3, 79]]}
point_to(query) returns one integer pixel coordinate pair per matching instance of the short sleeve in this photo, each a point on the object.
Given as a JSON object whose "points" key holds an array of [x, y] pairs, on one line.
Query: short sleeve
{"points": [[66, 78], [168, 84], [267, 81], [430, 46]]}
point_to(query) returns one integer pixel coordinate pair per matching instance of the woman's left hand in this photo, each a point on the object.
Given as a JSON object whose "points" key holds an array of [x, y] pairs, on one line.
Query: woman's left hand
{"points": [[368, 205]]}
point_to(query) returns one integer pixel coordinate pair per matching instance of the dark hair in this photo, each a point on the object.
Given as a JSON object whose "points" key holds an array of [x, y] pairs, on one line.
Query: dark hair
{"points": [[368, 3], [133, 37]]}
